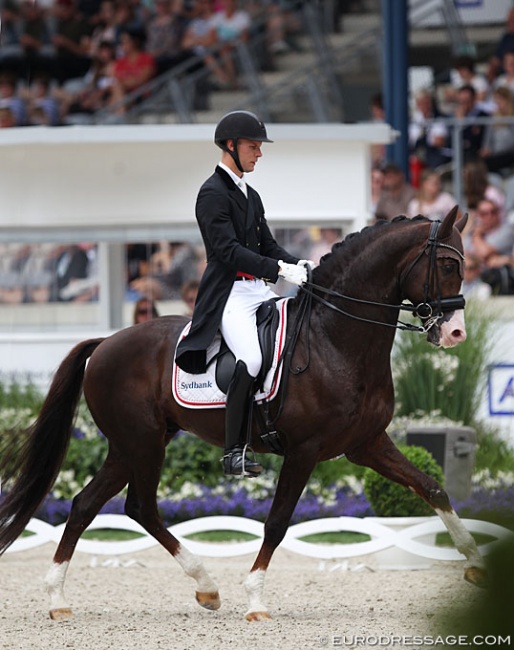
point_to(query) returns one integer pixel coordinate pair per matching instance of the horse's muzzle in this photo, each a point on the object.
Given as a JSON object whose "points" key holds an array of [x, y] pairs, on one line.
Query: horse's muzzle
{"points": [[449, 331]]}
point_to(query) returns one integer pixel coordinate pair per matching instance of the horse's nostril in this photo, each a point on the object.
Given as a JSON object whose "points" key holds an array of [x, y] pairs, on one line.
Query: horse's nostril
{"points": [[459, 335]]}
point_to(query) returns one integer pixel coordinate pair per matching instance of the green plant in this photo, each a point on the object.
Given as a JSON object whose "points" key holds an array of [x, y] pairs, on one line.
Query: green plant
{"points": [[389, 499], [20, 396], [447, 381]]}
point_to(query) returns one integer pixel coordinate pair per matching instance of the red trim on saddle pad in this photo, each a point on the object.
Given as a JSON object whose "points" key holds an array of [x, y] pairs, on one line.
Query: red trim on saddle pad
{"points": [[201, 391]]}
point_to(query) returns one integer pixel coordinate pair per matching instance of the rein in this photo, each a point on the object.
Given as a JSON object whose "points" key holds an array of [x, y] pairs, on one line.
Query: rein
{"points": [[425, 310]]}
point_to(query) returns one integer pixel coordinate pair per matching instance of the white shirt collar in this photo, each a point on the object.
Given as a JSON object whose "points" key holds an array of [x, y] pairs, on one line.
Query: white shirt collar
{"points": [[233, 176]]}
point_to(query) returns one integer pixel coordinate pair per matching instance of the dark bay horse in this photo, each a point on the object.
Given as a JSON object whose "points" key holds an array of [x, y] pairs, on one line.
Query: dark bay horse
{"points": [[340, 404]]}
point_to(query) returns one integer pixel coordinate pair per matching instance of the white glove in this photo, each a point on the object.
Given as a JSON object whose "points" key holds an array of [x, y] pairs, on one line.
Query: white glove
{"points": [[308, 263], [292, 273]]}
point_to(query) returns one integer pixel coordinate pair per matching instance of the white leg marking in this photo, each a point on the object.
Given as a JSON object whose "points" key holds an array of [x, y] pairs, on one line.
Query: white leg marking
{"points": [[194, 568], [461, 537], [254, 585], [54, 582]]}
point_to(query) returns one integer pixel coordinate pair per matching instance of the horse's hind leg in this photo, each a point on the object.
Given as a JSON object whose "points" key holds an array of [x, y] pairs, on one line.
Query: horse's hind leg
{"points": [[381, 455], [141, 505], [111, 478]]}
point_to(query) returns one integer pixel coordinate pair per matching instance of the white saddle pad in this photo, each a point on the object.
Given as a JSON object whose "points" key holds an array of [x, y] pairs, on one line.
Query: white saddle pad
{"points": [[201, 391]]}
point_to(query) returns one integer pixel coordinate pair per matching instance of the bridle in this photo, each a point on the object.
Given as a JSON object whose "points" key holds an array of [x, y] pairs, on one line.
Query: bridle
{"points": [[430, 311]]}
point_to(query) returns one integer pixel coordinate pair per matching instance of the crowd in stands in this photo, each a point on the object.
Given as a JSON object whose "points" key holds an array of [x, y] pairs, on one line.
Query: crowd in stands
{"points": [[64, 57], [481, 95]]}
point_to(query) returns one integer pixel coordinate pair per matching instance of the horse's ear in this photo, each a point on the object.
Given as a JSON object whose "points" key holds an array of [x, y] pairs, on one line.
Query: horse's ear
{"points": [[461, 223], [446, 227]]}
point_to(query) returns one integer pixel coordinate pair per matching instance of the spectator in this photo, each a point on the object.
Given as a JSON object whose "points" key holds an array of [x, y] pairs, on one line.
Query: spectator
{"points": [[105, 30], [165, 32], [42, 107], [491, 240], [281, 23], [144, 310], [505, 44], [472, 134], [127, 18], [132, 70], [430, 200], [10, 48], [71, 42], [466, 75], [428, 136], [35, 39], [396, 194], [10, 99], [232, 26], [476, 186], [96, 90], [201, 39], [188, 293], [7, 120], [507, 78], [473, 286], [498, 149], [327, 238], [68, 264]]}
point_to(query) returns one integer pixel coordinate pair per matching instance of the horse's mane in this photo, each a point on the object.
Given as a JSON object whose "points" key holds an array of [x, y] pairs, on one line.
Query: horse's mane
{"points": [[354, 243]]}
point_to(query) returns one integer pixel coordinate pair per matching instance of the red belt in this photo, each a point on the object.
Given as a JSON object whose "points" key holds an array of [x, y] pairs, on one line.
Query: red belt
{"points": [[244, 276]]}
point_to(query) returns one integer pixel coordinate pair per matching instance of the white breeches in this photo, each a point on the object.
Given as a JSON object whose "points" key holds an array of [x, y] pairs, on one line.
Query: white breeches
{"points": [[238, 324]]}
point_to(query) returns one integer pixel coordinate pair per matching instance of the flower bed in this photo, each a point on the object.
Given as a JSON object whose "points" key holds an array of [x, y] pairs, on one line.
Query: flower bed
{"points": [[492, 500]]}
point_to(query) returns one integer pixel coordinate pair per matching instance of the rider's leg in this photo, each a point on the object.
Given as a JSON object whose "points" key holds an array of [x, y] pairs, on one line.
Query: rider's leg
{"points": [[239, 401], [239, 330]]}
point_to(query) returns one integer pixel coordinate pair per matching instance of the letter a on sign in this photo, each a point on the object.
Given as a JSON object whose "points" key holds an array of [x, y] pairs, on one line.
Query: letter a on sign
{"points": [[501, 390]]}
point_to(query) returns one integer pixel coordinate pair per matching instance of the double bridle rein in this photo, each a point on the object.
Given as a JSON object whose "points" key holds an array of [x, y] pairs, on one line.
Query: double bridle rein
{"points": [[429, 311]]}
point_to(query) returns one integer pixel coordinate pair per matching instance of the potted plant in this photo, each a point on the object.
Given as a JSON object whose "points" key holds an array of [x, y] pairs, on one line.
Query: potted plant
{"points": [[398, 508]]}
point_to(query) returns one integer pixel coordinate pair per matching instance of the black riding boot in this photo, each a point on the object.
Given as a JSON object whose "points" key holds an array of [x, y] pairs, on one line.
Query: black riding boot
{"points": [[239, 401]]}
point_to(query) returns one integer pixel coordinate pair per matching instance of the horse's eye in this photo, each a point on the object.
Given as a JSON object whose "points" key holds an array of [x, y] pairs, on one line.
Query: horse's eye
{"points": [[449, 267]]}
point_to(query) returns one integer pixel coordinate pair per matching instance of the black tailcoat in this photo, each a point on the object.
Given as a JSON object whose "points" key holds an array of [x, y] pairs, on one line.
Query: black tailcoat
{"points": [[237, 237]]}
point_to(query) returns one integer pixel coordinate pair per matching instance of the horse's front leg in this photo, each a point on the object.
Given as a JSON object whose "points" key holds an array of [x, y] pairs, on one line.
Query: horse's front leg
{"points": [[381, 455], [294, 475]]}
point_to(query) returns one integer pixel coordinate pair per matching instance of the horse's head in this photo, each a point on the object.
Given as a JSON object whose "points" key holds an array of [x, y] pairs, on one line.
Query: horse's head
{"points": [[432, 281]]}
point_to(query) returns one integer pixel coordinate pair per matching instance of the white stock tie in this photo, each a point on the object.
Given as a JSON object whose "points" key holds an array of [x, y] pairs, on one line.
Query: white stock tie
{"points": [[242, 186]]}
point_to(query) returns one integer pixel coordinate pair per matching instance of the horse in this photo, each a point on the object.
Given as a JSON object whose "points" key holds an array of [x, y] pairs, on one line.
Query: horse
{"points": [[339, 400]]}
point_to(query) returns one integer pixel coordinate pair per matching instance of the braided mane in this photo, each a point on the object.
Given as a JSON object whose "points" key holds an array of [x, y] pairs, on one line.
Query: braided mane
{"points": [[354, 243]]}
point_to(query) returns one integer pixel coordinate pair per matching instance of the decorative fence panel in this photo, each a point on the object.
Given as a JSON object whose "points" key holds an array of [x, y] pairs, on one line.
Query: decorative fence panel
{"points": [[382, 537]]}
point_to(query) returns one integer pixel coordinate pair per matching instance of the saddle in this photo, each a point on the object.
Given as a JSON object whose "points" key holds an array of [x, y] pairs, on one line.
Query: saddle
{"points": [[268, 319]]}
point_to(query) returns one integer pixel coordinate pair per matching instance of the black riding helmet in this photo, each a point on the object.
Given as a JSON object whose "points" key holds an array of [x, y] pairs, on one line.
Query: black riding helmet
{"points": [[237, 125]]}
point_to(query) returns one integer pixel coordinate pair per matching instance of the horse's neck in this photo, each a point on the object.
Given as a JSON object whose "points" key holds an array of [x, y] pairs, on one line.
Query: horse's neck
{"points": [[372, 275]]}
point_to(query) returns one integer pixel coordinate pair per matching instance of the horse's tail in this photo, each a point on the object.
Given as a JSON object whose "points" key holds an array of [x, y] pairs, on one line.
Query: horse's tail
{"points": [[31, 471]]}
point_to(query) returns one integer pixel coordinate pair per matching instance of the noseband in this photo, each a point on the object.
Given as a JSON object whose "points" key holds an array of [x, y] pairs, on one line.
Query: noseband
{"points": [[430, 311]]}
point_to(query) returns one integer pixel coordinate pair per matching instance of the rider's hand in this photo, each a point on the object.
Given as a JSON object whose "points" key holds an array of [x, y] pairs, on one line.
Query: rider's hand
{"points": [[308, 263], [292, 273]]}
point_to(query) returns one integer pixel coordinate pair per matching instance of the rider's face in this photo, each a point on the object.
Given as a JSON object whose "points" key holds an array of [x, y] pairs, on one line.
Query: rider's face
{"points": [[249, 153]]}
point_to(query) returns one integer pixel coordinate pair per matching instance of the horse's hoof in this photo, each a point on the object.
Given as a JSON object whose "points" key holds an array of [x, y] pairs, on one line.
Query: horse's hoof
{"points": [[258, 616], [476, 576], [208, 600], [61, 614]]}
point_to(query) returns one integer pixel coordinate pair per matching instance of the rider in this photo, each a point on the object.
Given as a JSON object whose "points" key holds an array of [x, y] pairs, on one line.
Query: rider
{"points": [[242, 256]]}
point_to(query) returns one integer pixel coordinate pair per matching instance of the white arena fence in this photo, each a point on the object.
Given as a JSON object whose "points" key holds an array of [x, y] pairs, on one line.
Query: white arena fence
{"points": [[383, 536]]}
